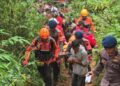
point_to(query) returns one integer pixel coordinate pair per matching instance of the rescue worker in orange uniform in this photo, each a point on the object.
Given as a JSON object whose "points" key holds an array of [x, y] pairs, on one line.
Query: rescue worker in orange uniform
{"points": [[45, 49], [84, 16]]}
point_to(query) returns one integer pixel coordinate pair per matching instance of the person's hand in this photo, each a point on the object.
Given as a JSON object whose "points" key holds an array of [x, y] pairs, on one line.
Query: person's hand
{"points": [[75, 60], [116, 59], [54, 59], [70, 60], [104, 61], [25, 62], [49, 61], [91, 73], [65, 43]]}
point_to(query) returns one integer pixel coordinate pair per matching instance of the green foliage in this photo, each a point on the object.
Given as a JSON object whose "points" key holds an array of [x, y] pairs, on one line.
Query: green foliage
{"points": [[2, 32], [12, 73], [14, 40], [20, 17], [19, 23]]}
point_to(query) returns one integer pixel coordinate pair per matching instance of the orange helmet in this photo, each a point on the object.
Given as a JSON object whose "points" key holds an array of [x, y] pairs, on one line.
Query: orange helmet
{"points": [[84, 12], [44, 33]]}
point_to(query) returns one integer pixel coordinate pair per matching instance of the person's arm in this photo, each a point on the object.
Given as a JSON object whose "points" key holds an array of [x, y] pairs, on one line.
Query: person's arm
{"points": [[62, 36], [100, 65], [92, 25], [68, 48], [78, 20], [55, 49], [72, 57], [71, 39], [31, 47], [98, 69], [83, 59]]}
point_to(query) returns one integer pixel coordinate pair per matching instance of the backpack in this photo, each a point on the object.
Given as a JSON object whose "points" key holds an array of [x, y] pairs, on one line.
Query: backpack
{"points": [[91, 38]]}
